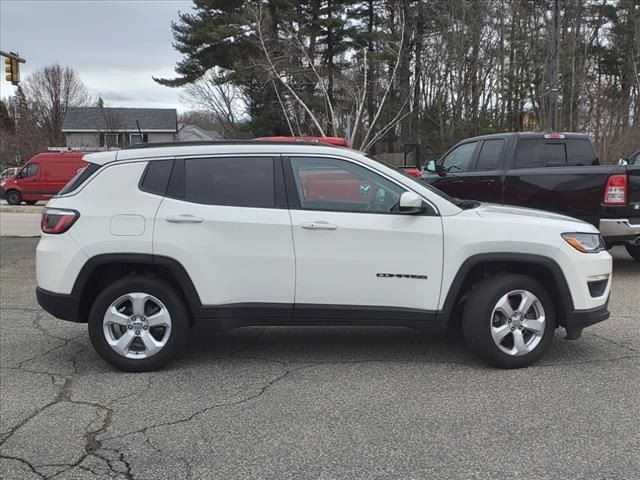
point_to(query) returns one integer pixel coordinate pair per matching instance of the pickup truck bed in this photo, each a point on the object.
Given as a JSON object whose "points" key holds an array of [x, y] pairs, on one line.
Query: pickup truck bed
{"points": [[555, 172]]}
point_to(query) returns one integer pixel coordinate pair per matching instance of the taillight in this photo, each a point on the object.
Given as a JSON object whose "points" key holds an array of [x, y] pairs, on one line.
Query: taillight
{"points": [[615, 193], [58, 220]]}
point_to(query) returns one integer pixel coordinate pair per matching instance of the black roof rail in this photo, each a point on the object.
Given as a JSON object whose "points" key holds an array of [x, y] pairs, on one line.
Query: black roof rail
{"points": [[200, 143]]}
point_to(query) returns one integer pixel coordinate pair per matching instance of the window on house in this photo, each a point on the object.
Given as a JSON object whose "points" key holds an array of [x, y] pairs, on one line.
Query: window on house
{"points": [[110, 140], [135, 138]]}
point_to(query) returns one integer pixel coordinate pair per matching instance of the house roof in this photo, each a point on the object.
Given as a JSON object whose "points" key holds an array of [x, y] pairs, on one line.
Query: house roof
{"points": [[189, 131], [93, 119]]}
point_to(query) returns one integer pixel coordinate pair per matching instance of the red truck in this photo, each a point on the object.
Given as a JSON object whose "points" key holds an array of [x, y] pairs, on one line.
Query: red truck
{"points": [[41, 177]]}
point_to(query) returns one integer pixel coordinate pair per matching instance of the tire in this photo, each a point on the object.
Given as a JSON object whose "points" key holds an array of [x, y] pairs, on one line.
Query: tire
{"points": [[634, 251], [484, 317], [30, 202], [109, 325], [13, 197]]}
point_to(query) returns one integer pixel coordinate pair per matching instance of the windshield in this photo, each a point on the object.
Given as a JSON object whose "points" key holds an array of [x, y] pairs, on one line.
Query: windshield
{"points": [[414, 179]]}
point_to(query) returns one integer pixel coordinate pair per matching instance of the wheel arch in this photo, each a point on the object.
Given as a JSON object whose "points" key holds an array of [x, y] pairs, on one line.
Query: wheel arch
{"points": [[100, 271], [478, 267]]}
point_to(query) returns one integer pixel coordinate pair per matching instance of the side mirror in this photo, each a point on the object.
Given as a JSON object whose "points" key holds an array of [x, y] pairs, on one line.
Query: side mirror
{"points": [[433, 167], [623, 161], [411, 203]]}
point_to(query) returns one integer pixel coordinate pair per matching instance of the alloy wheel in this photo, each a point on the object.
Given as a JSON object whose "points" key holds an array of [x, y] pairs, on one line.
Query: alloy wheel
{"points": [[518, 322], [137, 325]]}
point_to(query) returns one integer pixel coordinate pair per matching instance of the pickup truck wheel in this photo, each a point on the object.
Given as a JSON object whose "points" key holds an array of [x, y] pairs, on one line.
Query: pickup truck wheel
{"points": [[509, 320], [634, 251], [13, 197], [138, 324]]}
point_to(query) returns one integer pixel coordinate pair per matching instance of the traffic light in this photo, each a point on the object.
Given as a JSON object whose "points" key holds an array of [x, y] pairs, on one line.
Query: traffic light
{"points": [[12, 69]]}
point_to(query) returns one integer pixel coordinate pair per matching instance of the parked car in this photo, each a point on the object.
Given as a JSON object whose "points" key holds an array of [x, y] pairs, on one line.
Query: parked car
{"points": [[411, 170], [41, 177], [147, 241], [554, 172], [633, 159], [8, 172]]}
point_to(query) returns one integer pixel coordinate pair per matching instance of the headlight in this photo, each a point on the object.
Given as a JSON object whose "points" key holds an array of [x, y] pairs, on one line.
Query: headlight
{"points": [[585, 242]]}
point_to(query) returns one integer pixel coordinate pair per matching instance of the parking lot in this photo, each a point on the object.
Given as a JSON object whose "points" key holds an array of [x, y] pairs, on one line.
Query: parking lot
{"points": [[322, 403]]}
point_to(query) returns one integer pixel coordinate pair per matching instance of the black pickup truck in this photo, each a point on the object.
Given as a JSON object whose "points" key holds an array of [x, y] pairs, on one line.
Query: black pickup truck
{"points": [[558, 172]]}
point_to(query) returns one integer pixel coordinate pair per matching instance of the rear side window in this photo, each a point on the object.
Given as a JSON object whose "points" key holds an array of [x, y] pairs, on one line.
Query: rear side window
{"points": [[534, 153], [233, 181], [156, 176], [81, 176], [490, 154], [580, 152]]}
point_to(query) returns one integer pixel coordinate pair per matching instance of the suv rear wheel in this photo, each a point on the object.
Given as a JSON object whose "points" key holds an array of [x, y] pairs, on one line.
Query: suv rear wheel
{"points": [[509, 320], [138, 324]]}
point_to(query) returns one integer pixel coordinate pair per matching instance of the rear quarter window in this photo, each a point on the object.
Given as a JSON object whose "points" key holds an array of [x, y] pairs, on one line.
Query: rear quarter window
{"points": [[156, 177], [80, 177]]}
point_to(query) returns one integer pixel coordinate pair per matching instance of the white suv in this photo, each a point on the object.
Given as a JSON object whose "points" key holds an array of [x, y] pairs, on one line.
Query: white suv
{"points": [[146, 241]]}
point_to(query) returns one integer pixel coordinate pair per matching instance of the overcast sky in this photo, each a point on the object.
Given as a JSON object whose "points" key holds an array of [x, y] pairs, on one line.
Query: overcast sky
{"points": [[116, 46]]}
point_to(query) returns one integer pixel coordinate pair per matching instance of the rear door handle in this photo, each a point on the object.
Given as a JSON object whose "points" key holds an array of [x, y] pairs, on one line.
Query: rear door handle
{"points": [[184, 219], [489, 180], [319, 225]]}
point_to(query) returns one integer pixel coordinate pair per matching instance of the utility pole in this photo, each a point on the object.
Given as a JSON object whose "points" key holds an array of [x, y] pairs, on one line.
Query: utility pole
{"points": [[552, 114]]}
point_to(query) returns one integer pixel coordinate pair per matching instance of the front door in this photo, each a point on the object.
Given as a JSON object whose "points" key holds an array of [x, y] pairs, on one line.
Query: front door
{"points": [[355, 252]]}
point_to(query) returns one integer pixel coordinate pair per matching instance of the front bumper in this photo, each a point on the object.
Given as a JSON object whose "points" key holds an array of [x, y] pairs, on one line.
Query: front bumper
{"points": [[619, 229], [60, 305], [578, 320]]}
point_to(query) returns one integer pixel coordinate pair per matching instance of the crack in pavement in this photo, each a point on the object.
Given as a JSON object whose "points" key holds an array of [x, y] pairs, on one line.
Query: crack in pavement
{"points": [[612, 341]]}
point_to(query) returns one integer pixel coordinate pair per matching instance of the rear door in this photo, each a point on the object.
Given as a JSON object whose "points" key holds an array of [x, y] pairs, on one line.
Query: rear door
{"points": [[225, 220]]}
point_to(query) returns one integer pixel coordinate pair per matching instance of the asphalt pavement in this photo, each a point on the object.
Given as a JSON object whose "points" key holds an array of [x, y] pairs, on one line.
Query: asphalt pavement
{"points": [[315, 403]]}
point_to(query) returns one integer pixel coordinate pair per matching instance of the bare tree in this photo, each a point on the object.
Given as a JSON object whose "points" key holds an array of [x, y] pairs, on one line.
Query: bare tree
{"points": [[345, 110], [50, 91], [215, 94]]}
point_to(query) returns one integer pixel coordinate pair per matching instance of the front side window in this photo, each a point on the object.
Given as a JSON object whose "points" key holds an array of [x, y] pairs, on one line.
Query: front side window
{"points": [[232, 181], [459, 159], [29, 171], [338, 185]]}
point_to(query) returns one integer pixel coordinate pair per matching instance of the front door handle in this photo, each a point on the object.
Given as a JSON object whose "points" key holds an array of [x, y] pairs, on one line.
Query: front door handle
{"points": [[319, 225], [184, 219], [489, 180]]}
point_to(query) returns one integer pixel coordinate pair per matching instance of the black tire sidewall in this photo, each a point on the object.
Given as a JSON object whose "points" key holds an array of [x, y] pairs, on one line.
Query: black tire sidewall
{"points": [[180, 322], [634, 251], [13, 197], [477, 315]]}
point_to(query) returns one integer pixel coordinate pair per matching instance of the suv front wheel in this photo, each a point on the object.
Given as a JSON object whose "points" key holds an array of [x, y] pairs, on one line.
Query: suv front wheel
{"points": [[138, 324], [509, 320]]}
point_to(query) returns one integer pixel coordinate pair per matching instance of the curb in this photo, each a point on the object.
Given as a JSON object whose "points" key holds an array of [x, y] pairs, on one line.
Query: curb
{"points": [[21, 209]]}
